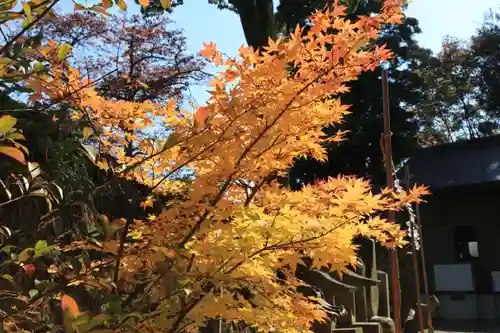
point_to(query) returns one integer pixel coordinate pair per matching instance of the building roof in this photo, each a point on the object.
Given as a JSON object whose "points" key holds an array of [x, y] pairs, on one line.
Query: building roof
{"points": [[457, 164]]}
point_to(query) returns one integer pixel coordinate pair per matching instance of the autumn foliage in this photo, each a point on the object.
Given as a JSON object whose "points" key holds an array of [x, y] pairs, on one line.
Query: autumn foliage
{"points": [[232, 223]]}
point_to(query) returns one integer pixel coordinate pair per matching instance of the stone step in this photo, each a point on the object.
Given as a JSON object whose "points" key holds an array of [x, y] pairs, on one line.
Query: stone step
{"points": [[348, 330], [367, 327]]}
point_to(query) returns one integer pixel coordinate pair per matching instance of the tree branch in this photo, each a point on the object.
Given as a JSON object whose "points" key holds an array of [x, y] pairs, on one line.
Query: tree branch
{"points": [[29, 26]]}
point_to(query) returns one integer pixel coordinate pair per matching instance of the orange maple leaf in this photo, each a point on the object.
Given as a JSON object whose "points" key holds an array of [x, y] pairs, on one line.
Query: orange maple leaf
{"points": [[209, 50], [201, 116], [69, 304]]}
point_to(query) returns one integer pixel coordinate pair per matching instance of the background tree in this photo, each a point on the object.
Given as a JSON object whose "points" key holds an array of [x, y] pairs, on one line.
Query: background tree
{"points": [[132, 58], [450, 108], [486, 55], [459, 88]]}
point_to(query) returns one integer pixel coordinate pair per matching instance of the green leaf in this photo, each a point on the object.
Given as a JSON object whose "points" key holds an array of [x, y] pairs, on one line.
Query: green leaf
{"points": [[185, 282], [68, 322], [26, 254], [40, 248], [7, 249], [95, 322], [7, 277], [39, 67], [81, 319], [63, 51], [27, 11], [33, 293], [7, 123]]}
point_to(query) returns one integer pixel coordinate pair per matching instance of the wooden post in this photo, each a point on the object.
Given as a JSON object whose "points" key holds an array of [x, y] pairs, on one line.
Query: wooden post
{"points": [[415, 259], [424, 271], [396, 290]]}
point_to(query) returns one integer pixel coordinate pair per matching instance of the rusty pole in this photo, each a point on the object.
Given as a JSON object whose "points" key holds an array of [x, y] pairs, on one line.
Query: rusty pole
{"points": [[424, 271], [414, 258], [396, 290]]}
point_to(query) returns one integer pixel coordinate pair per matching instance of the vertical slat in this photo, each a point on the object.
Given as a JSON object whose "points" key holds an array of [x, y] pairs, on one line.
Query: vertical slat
{"points": [[396, 290]]}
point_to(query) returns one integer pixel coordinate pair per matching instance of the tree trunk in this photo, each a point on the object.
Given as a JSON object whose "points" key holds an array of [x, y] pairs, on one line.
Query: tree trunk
{"points": [[257, 21]]}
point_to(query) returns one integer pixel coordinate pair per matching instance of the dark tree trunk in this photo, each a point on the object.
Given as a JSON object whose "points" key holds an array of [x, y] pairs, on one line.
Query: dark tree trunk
{"points": [[257, 20]]}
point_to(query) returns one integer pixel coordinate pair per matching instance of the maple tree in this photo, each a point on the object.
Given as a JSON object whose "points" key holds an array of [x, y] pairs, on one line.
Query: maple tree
{"points": [[230, 226]]}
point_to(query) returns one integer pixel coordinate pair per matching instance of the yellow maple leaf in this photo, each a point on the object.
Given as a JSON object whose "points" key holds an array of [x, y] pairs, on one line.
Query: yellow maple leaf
{"points": [[87, 132], [165, 3], [149, 202]]}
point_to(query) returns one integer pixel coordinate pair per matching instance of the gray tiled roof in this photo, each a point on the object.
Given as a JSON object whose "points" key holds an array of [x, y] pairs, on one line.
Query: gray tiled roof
{"points": [[457, 164]]}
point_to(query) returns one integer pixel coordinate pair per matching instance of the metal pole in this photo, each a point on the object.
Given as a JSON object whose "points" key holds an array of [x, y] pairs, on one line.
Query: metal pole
{"points": [[415, 259], [424, 271], [396, 293]]}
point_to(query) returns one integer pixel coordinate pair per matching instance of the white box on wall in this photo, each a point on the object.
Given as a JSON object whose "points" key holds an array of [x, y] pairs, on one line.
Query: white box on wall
{"points": [[495, 277], [455, 277]]}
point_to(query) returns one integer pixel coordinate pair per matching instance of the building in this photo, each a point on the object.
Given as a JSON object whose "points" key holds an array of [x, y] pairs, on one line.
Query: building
{"points": [[461, 226]]}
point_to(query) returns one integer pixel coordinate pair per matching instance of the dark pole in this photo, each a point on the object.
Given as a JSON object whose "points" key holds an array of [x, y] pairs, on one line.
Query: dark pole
{"points": [[414, 258], [396, 293], [424, 271]]}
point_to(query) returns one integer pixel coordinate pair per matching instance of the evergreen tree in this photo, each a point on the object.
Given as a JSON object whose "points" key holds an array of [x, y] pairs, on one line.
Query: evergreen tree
{"points": [[484, 47]]}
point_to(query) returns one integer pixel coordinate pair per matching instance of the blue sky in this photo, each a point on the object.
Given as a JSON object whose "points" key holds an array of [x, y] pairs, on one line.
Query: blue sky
{"points": [[203, 22]]}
